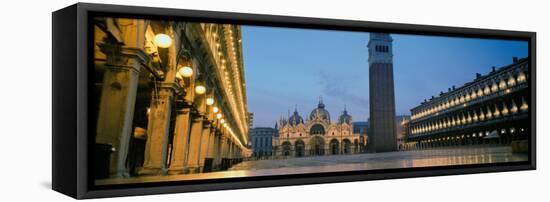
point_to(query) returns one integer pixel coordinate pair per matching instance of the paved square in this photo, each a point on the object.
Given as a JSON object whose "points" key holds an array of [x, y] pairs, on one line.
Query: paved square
{"points": [[335, 163]]}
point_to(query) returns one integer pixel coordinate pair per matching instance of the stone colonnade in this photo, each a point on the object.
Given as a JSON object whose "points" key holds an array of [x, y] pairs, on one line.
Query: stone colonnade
{"points": [[191, 125]]}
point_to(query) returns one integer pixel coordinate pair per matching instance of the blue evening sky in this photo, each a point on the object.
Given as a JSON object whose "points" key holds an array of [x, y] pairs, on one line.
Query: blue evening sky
{"points": [[288, 67]]}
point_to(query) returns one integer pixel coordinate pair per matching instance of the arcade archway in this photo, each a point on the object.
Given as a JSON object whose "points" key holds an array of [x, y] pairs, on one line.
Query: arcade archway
{"points": [[334, 147], [317, 146]]}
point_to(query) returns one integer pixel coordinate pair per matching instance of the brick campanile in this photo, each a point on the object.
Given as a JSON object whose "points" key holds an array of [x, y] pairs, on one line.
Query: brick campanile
{"points": [[382, 135]]}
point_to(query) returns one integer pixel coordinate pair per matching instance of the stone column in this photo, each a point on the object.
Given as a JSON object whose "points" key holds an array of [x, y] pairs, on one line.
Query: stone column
{"points": [[195, 144], [156, 148], [181, 139], [162, 101], [205, 142], [196, 135], [116, 105], [219, 148], [223, 152], [228, 151], [211, 153], [232, 150]]}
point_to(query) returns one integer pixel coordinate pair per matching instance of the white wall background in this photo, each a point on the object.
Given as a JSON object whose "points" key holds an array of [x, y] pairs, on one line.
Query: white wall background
{"points": [[25, 101]]}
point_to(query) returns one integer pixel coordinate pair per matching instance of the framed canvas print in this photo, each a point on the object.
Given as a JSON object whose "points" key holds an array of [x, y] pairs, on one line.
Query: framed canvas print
{"points": [[155, 100]]}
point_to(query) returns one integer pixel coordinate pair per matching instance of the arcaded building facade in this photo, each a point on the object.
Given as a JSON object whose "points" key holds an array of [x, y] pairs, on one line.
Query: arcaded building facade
{"points": [[492, 108], [170, 96], [317, 135]]}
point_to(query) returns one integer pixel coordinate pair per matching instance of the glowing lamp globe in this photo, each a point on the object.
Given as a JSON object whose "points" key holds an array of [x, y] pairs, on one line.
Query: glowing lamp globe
{"points": [[185, 71], [209, 101], [219, 116], [215, 109], [200, 89], [163, 40]]}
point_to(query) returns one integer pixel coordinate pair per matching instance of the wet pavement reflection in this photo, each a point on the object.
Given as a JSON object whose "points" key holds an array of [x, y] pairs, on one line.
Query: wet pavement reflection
{"points": [[336, 163]]}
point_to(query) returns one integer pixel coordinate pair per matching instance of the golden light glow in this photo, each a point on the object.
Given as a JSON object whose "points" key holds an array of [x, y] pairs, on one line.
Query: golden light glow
{"points": [[186, 71], [215, 109], [502, 85], [494, 88], [219, 115], [514, 108], [222, 121], [505, 110], [162, 40], [489, 113], [481, 115], [200, 89], [209, 101], [521, 77], [497, 112], [511, 81], [487, 91], [524, 107]]}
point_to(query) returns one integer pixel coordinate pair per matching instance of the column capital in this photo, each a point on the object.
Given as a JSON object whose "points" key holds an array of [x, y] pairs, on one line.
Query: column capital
{"points": [[196, 119], [168, 85], [183, 105], [197, 113], [206, 123], [123, 57]]}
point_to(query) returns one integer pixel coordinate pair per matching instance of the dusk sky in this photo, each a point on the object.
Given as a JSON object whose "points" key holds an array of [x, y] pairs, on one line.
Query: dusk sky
{"points": [[285, 67]]}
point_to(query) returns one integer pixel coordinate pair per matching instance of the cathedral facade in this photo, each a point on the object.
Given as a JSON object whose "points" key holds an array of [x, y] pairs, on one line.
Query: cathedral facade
{"points": [[317, 135]]}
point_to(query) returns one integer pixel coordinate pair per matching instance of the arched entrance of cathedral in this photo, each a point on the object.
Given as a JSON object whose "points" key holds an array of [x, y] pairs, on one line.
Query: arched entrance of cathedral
{"points": [[299, 148], [347, 146], [334, 147], [286, 148], [317, 146], [317, 129]]}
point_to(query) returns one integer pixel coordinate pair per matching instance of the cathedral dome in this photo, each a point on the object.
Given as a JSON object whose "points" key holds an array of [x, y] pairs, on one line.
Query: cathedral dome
{"points": [[295, 119], [320, 113], [345, 118]]}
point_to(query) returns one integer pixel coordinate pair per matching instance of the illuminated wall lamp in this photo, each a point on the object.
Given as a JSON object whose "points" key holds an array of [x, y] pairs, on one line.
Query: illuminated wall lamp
{"points": [[162, 40], [185, 71], [209, 101], [215, 109], [200, 89]]}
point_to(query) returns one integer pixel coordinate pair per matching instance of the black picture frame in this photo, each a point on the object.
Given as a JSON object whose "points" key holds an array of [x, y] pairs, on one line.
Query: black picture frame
{"points": [[71, 58]]}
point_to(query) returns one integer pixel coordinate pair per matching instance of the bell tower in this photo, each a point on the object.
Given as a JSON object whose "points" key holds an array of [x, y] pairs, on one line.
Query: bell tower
{"points": [[382, 132]]}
